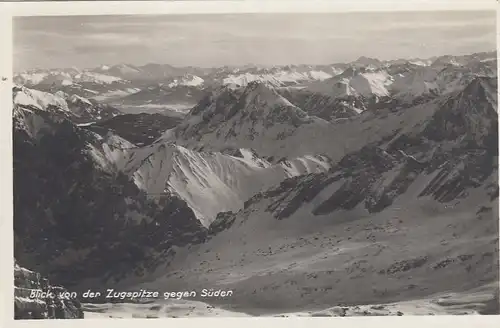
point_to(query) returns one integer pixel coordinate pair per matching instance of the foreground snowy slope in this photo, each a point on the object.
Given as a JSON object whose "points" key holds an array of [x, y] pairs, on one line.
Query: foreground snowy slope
{"points": [[481, 300], [349, 258]]}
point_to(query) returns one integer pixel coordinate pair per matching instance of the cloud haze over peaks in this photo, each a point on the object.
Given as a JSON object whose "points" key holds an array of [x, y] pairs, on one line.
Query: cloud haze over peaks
{"points": [[267, 39]]}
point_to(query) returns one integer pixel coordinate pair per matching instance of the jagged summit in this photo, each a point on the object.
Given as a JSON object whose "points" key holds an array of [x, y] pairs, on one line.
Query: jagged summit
{"points": [[482, 87], [468, 118], [259, 100], [367, 61], [355, 82], [264, 94], [246, 117], [478, 99]]}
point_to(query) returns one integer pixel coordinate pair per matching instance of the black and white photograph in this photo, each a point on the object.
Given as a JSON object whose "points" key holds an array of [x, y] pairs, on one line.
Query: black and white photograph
{"points": [[333, 164]]}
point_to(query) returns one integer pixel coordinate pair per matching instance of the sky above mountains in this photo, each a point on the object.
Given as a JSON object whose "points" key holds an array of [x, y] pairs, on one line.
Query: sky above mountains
{"points": [[239, 39]]}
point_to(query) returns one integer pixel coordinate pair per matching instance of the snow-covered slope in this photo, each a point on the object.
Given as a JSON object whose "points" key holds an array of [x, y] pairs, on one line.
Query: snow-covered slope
{"points": [[208, 182], [231, 180], [371, 83]]}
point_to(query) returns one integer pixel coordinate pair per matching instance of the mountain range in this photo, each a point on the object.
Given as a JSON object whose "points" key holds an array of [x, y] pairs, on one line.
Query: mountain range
{"points": [[162, 87], [355, 184]]}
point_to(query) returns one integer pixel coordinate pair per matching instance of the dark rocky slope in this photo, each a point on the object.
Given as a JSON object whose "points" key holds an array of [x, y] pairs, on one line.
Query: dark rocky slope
{"points": [[73, 220]]}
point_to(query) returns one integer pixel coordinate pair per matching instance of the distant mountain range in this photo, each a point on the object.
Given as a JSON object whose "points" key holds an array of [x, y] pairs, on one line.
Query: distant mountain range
{"points": [[165, 88]]}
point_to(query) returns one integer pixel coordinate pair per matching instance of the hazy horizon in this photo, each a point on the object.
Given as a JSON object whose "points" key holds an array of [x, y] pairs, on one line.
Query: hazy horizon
{"points": [[239, 39]]}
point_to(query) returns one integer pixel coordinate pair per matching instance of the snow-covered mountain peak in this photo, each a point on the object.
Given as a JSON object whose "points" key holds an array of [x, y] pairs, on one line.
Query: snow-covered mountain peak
{"points": [[62, 94], [468, 117], [246, 78], [97, 78], [26, 97], [444, 61], [125, 68], [263, 95], [187, 80], [258, 100], [415, 83], [78, 99], [480, 90], [280, 76], [371, 83], [355, 82], [366, 61], [73, 99], [76, 108], [349, 72]]}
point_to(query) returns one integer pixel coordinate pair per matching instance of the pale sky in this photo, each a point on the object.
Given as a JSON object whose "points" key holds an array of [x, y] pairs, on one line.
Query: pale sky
{"points": [[238, 39]]}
